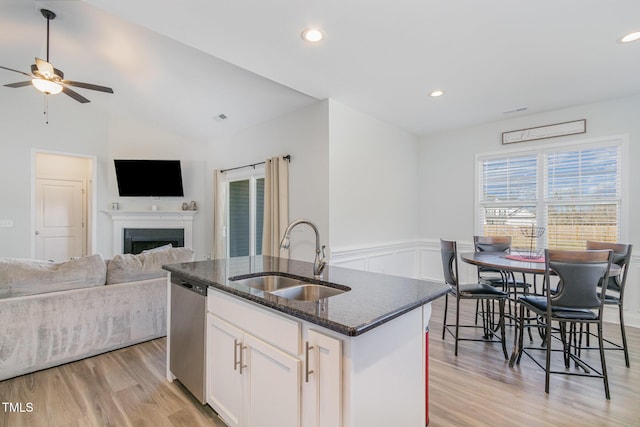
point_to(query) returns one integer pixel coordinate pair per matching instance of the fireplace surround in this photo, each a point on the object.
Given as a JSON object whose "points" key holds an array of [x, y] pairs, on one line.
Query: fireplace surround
{"points": [[151, 221]]}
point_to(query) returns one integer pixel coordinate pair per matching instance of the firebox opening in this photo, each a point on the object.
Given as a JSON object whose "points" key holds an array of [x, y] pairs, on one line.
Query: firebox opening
{"points": [[137, 240]]}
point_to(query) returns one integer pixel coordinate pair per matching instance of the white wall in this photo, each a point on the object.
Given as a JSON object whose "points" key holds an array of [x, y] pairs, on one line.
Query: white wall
{"points": [[73, 129], [85, 130], [447, 163], [373, 174], [303, 134], [130, 138]]}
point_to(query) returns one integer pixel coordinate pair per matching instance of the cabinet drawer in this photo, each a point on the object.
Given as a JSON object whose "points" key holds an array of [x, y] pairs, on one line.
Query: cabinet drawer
{"points": [[258, 321]]}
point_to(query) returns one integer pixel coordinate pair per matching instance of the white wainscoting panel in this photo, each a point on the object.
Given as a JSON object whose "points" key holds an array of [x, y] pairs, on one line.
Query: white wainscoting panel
{"points": [[356, 263], [397, 258]]}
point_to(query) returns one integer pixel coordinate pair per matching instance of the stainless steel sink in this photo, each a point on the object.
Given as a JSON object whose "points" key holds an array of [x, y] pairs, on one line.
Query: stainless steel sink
{"points": [[268, 283], [289, 287], [307, 292]]}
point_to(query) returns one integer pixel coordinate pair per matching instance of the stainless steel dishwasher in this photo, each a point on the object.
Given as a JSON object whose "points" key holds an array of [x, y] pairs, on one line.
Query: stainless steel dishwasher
{"points": [[187, 335]]}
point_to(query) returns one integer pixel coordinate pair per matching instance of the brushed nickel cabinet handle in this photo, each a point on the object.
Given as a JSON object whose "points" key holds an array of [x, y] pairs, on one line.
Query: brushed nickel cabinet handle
{"points": [[236, 344], [307, 371], [242, 365]]}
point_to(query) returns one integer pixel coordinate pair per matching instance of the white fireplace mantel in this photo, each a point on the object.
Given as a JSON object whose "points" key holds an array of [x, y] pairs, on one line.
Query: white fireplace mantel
{"points": [[150, 219]]}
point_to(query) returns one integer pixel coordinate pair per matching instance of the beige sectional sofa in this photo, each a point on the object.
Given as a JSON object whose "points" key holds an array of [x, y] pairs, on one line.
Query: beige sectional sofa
{"points": [[55, 313]]}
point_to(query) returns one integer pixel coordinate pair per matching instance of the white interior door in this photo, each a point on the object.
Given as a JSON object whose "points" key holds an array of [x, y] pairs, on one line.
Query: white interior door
{"points": [[60, 225]]}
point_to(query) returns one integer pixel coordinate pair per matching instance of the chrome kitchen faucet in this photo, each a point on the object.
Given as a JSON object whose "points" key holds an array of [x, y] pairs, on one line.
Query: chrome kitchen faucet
{"points": [[318, 263]]}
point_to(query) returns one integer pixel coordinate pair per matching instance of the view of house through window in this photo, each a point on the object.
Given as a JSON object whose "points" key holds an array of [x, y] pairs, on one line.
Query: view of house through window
{"points": [[565, 194], [245, 215]]}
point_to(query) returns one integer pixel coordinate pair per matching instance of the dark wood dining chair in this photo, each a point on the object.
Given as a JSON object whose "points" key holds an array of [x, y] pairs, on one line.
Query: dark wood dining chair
{"points": [[482, 292], [616, 286], [576, 301]]}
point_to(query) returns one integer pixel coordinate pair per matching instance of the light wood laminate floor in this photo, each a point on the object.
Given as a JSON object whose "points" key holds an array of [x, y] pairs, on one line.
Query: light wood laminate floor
{"points": [[128, 388]]}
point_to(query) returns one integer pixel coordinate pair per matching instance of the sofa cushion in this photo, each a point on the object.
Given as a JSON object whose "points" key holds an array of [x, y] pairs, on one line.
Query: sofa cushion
{"points": [[27, 277], [129, 267], [158, 249]]}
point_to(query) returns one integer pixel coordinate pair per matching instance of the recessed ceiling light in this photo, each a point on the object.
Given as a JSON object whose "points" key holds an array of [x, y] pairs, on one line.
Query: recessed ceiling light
{"points": [[312, 35], [436, 93], [631, 37]]}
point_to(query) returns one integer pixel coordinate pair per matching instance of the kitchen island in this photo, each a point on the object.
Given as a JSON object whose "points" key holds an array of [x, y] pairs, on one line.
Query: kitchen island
{"points": [[353, 359]]}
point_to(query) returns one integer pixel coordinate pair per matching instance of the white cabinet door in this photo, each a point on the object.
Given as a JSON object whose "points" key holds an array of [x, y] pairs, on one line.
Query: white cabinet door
{"points": [[224, 380], [272, 386], [323, 381], [249, 382]]}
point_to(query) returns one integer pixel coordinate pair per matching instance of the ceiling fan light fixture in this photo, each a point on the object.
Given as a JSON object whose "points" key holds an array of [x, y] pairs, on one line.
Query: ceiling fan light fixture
{"points": [[47, 86]]}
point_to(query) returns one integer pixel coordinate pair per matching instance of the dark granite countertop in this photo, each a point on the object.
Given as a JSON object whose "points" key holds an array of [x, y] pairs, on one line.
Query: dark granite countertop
{"points": [[373, 299]]}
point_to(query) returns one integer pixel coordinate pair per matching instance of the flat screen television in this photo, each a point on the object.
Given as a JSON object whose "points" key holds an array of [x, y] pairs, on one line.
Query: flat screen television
{"points": [[145, 178]]}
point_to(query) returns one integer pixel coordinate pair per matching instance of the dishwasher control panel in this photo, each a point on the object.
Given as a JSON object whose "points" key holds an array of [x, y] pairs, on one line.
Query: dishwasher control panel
{"points": [[194, 287]]}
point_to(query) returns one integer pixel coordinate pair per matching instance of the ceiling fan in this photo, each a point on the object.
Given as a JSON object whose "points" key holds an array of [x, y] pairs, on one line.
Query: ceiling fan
{"points": [[50, 80]]}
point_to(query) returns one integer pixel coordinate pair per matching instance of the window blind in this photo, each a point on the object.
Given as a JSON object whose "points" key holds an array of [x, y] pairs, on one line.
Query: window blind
{"points": [[509, 179], [508, 196], [582, 196], [246, 205], [239, 217], [580, 200]]}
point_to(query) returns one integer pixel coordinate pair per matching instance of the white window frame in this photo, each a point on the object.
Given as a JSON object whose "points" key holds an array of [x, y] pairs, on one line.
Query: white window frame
{"points": [[252, 174], [540, 150]]}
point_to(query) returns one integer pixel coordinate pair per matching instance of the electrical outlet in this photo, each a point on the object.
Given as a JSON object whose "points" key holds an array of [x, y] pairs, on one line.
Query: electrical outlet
{"points": [[6, 223]]}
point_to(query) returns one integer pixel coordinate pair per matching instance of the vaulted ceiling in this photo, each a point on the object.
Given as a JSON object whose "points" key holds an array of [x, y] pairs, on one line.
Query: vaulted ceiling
{"points": [[183, 63]]}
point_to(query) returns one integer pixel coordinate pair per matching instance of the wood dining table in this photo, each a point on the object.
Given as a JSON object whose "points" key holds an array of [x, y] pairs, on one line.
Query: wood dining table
{"points": [[510, 263], [505, 262], [514, 263]]}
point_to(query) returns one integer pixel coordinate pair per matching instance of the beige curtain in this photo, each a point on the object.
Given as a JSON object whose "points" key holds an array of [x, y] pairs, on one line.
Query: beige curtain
{"points": [[276, 204], [219, 210]]}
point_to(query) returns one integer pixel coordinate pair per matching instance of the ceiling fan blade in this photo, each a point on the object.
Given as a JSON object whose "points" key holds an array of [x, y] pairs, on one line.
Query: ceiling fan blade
{"points": [[16, 71], [19, 84], [89, 86], [44, 67], [75, 95]]}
